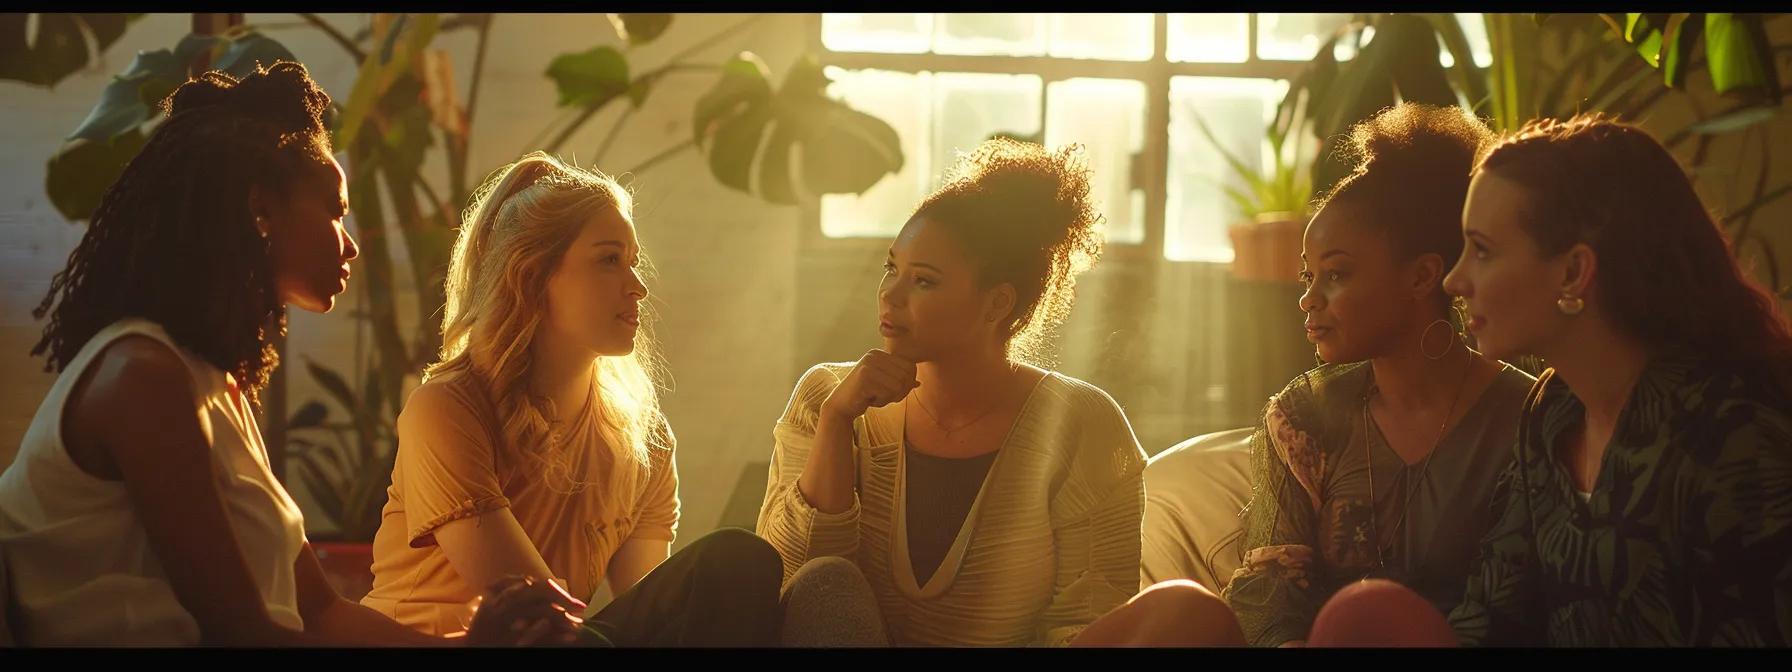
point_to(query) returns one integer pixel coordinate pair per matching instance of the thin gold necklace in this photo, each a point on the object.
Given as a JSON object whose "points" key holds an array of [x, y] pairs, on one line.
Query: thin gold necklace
{"points": [[1424, 466], [942, 427]]}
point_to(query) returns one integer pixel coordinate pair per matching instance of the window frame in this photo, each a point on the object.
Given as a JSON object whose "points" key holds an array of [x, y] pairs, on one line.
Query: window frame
{"points": [[1155, 73]]}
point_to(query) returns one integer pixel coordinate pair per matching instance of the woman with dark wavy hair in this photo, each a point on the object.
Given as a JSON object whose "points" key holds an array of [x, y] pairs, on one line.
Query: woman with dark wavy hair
{"points": [[1650, 503], [140, 508]]}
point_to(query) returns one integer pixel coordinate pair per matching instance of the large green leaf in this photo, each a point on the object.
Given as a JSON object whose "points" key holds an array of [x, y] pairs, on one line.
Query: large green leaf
{"points": [[744, 86], [133, 96], [79, 174], [640, 28], [244, 52], [849, 151], [111, 134], [1677, 55], [60, 45], [1739, 57], [775, 184], [589, 77], [734, 145], [745, 130], [1645, 31], [407, 39]]}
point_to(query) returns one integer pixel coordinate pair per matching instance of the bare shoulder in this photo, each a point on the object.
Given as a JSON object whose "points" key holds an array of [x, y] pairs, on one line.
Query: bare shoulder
{"points": [[136, 387], [132, 377]]}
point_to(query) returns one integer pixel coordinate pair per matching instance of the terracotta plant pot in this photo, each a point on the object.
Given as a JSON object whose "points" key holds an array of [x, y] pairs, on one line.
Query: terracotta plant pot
{"points": [[348, 566], [1267, 248]]}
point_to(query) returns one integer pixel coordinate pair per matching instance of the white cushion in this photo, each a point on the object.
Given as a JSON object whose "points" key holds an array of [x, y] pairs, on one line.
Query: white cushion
{"points": [[1194, 493]]}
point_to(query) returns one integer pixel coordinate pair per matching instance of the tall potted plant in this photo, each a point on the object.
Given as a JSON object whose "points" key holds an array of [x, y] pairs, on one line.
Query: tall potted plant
{"points": [[1272, 207]]}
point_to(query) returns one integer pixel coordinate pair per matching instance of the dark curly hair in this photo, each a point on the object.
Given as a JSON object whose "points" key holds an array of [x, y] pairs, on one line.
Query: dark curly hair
{"points": [[174, 240], [1412, 168], [1666, 274], [1024, 214]]}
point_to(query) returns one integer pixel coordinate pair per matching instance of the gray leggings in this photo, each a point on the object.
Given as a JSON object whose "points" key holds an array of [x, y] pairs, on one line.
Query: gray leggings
{"points": [[828, 603]]}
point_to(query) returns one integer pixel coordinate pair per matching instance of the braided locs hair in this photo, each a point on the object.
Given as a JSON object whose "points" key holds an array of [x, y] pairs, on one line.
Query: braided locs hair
{"points": [[174, 240]]}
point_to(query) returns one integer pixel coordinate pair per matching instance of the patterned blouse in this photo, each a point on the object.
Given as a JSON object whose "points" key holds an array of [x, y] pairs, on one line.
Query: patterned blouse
{"points": [[1686, 539], [1332, 503]]}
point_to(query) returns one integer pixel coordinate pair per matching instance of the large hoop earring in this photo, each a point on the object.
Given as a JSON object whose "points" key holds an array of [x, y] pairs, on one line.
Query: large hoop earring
{"points": [[1570, 304], [1451, 345]]}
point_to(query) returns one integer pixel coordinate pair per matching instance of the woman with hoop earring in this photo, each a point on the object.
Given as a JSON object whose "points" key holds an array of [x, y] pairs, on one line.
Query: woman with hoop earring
{"points": [[1380, 463]]}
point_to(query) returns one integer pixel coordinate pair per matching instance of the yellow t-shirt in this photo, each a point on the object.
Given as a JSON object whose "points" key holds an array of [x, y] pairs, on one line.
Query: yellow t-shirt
{"points": [[454, 463]]}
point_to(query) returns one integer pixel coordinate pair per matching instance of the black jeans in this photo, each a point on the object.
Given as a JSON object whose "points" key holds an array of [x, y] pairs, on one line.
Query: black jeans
{"points": [[722, 590]]}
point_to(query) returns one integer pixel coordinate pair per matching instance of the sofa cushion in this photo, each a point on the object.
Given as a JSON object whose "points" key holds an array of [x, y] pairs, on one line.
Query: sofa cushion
{"points": [[1194, 493]]}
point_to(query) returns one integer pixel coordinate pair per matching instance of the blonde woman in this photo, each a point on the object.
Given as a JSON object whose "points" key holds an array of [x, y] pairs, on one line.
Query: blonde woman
{"points": [[536, 445]]}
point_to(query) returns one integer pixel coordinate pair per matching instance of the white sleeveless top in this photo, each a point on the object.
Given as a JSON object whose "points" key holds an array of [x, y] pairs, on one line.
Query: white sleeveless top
{"points": [[83, 572]]}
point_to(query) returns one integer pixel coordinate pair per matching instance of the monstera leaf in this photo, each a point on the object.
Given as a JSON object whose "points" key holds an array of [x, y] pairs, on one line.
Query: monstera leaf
{"points": [[79, 174], [43, 49], [782, 144], [97, 151], [133, 96], [640, 28], [590, 77]]}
